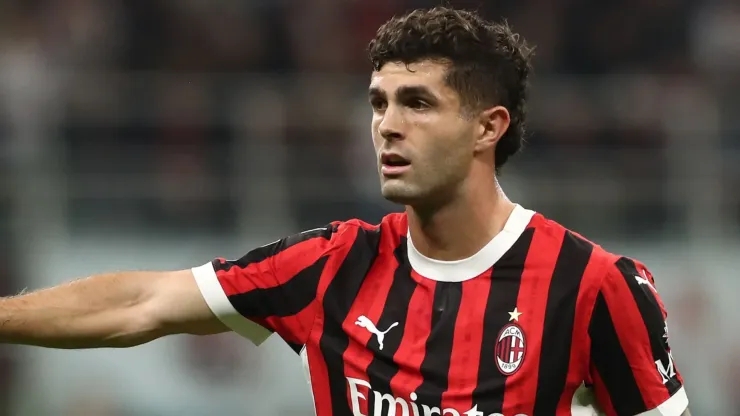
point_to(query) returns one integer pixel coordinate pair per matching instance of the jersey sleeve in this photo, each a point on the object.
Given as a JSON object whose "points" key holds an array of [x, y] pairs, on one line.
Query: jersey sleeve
{"points": [[270, 289], [632, 367]]}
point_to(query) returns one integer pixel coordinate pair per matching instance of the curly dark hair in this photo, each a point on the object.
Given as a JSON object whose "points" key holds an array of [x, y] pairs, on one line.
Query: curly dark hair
{"points": [[489, 63]]}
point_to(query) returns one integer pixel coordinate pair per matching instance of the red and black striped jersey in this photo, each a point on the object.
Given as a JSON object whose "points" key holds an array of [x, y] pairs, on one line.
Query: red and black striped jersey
{"points": [[540, 322]]}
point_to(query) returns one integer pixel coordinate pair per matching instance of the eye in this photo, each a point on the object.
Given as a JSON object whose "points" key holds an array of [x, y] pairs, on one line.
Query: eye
{"points": [[378, 104], [418, 104]]}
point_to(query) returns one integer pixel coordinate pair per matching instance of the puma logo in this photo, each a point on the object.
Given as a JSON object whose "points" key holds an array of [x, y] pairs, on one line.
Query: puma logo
{"points": [[366, 323]]}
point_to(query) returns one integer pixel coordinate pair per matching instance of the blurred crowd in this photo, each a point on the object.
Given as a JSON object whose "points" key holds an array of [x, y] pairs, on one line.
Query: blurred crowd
{"points": [[165, 113], [189, 117]]}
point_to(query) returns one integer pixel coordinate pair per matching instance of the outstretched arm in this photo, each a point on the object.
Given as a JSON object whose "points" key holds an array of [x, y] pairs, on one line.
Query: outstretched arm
{"points": [[109, 310], [270, 289]]}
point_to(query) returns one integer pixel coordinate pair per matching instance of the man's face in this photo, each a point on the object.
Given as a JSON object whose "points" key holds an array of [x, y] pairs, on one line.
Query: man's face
{"points": [[424, 145]]}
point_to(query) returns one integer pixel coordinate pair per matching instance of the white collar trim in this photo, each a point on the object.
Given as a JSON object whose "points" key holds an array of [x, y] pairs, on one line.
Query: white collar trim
{"points": [[465, 269]]}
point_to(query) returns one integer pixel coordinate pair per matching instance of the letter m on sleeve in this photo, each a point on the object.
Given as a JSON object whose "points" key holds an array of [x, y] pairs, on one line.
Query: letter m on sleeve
{"points": [[632, 366]]}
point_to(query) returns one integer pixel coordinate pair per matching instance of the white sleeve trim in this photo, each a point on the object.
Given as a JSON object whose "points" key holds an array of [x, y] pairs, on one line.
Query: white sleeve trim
{"points": [[213, 293], [674, 406]]}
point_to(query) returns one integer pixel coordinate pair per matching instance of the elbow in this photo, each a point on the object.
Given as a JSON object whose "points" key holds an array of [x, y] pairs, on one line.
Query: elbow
{"points": [[171, 304], [138, 325], [130, 339]]}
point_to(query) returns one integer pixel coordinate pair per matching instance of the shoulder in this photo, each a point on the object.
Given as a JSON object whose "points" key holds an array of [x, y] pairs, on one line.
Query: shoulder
{"points": [[604, 263], [606, 277], [391, 229], [395, 223], [551, 233]]}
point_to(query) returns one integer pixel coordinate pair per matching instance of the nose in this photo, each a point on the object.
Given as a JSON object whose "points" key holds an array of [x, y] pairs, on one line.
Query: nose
{"points": [[391, 125]]}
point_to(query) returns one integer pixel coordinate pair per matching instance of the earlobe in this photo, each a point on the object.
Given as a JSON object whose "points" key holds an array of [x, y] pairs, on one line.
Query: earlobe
{"points": [[493, 124]]}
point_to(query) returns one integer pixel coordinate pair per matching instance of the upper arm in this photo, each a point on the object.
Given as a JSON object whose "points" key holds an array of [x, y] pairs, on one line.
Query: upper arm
{"points": [[176, 305], [632, 367], [270, 289]]}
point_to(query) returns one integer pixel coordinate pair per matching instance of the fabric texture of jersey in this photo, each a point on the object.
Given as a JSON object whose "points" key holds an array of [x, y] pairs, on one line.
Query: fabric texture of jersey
{"points": [[539, 322]]}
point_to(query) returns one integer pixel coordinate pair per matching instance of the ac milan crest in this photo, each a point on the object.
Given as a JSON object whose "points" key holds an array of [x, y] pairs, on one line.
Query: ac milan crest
{"points": [[511, 347]]}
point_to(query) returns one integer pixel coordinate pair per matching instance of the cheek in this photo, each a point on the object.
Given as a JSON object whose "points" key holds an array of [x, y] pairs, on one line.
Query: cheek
{"points": [[377, 140], [454, 146]]}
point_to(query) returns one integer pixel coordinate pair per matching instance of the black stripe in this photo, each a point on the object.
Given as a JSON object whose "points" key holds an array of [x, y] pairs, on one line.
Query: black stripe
{"points": [[652, 317], [382, 368], [263, 253], [338, 300], [295, 347], [436, 364], [506, 279], [287, 299], [611, 362], [560, 314]]}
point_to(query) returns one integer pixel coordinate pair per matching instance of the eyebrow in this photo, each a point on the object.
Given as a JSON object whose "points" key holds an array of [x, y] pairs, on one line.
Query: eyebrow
{"points": [[404, 91], [375, 92]]}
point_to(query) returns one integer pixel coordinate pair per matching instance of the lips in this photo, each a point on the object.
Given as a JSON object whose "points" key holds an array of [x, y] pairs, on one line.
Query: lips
{"points": [[393, 164], [393, 159]]}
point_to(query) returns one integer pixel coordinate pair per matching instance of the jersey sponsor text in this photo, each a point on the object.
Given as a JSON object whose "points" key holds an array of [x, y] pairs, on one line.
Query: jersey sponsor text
{"points": [[388, 405]]}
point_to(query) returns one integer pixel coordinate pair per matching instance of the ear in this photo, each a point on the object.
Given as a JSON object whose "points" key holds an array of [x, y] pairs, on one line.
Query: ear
{"points": [[493, 123]]}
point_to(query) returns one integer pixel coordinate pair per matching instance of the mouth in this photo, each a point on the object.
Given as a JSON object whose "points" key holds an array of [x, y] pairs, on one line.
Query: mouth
{"points": [[392, 165]]}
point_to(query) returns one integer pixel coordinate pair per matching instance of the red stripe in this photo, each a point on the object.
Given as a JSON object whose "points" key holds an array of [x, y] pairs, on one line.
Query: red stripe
{"points": [[521, 388], [466, 345], [296, 328], [411, 351], [370, 302], [634, 340], [580, 346], [264, 274], [318, 369]]}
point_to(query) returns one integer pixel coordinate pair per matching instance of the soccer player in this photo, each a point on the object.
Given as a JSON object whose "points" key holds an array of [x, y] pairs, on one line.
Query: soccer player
{"points": [[466, 304]]}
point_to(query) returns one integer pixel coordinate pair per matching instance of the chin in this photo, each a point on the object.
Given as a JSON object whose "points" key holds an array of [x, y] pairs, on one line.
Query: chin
{"points": [[404, 193], [400, 193]]}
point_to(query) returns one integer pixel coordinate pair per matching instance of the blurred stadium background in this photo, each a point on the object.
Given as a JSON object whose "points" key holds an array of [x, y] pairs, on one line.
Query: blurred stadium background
{"points": [[159, 134]]}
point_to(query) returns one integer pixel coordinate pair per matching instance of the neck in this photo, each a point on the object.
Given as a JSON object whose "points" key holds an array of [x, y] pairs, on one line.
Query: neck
{"points": [[460, 228]]}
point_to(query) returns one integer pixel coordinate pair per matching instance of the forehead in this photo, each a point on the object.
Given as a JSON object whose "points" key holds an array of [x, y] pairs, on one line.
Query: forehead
{"points": [[397, 74]]}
